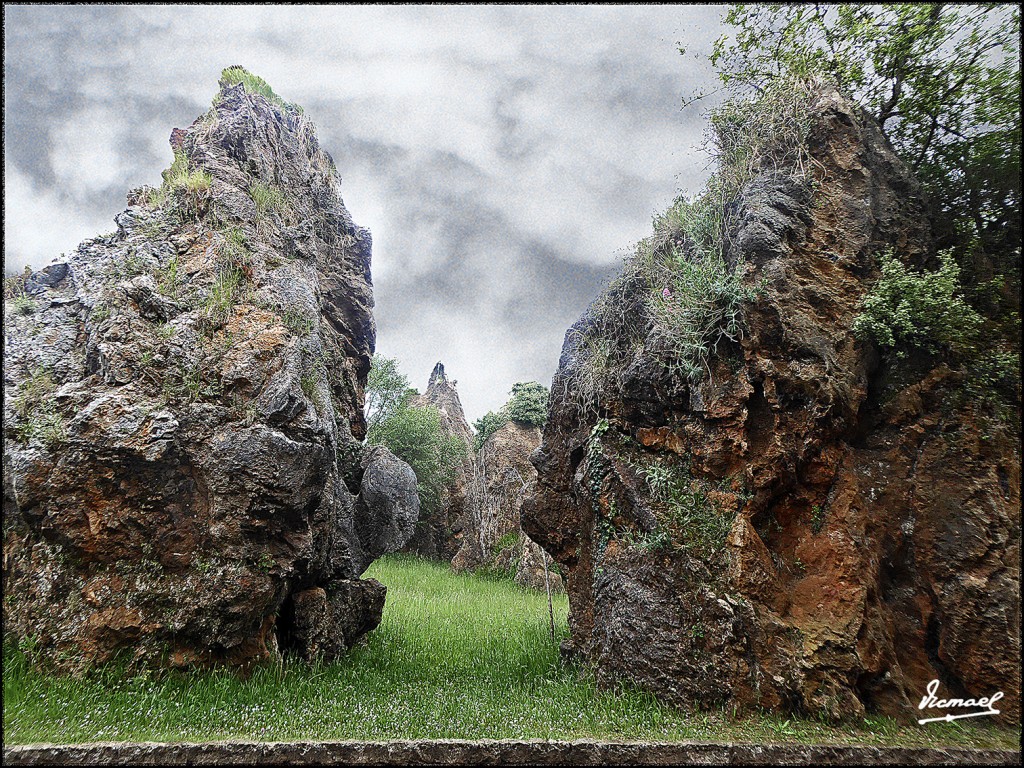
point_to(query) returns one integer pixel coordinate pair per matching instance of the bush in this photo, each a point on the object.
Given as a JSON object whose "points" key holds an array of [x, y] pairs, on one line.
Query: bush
{"points": [[487, 425], [415, 435], [528, 404], [906, 310]]}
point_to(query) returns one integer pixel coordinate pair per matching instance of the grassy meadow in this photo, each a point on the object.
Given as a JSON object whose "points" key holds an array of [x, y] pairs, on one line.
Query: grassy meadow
{"points": [[456, 656]]}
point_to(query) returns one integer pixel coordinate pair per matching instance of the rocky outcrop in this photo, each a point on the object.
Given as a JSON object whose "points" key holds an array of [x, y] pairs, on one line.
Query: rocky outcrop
{"points": [[809, 527], [502, 477], [440, 534], [183, 409]]}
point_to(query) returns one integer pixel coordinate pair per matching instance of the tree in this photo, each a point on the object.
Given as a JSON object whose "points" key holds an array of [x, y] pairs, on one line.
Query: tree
{"points": [[386, 390], [487, 425], [943, 81], [528, 404], [413, 434]]}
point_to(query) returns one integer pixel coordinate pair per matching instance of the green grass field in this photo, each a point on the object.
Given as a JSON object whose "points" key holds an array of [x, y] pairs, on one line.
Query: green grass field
{"points": [[456, 656]]}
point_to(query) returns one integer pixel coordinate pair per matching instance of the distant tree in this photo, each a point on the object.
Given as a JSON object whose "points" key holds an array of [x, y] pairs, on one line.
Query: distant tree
{"points": [[943, 81], [528, 404], [413, 433], [386, 390], [487, 425]]}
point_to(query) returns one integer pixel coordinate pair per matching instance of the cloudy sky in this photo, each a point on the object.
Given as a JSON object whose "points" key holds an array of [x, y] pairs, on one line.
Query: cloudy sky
{"points": [[505, 158]]}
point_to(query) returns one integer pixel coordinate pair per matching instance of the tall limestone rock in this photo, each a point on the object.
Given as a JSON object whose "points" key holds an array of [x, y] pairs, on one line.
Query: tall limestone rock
{"points": [[439, 536], [803, 526], [502, 478], [183, 478]]}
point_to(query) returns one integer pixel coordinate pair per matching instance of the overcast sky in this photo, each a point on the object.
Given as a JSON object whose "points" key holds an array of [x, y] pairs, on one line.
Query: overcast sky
{"points": [[504, 158]]}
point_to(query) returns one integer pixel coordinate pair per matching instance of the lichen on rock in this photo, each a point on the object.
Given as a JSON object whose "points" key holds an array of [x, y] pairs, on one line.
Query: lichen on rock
{"points": [[184, 410]]}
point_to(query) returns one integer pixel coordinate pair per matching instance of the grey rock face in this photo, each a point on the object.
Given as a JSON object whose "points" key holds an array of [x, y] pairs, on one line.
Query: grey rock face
{"points": [[388, 505], [181, 401]]}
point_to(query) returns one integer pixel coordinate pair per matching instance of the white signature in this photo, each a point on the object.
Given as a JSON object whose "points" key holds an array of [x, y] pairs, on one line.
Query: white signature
{"points": [[931, 700]]}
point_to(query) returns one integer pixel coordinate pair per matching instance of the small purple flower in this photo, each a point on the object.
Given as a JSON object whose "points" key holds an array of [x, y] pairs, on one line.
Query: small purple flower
{"points": [[666, 293]]}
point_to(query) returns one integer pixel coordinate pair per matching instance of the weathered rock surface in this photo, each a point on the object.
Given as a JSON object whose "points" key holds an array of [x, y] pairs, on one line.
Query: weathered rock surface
{"points": [[502, 478], [873, 521], [439, 536], [183, 412]]}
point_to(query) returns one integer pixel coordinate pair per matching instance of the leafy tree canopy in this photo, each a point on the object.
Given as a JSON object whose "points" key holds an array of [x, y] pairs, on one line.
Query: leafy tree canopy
{"points": [[528, 404], [387, 389]]}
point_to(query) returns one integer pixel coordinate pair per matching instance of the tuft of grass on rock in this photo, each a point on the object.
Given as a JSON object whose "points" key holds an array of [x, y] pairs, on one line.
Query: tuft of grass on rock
{"points": [[267, 199], [236, 74]]}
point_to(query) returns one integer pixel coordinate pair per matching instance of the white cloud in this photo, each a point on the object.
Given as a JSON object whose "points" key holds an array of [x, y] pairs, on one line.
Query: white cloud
{"points": [[469, 139], [39, 225]]}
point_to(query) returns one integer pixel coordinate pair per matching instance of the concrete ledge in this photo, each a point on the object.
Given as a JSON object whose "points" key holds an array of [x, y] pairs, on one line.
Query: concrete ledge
{"points": [[458, 752]]}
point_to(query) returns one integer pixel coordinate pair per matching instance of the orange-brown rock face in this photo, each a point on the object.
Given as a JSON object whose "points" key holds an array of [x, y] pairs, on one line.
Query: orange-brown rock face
{"points": [[808, 528], [182, 410], [502, 478]]}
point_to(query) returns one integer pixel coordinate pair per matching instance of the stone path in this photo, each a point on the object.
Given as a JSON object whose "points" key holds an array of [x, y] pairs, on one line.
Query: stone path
{"points": [[457, 752]]}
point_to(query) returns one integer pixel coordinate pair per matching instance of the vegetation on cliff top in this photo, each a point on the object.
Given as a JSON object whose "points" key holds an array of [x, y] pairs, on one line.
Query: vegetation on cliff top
{"points": [[956, 121], [456, 656], [527, 404]]}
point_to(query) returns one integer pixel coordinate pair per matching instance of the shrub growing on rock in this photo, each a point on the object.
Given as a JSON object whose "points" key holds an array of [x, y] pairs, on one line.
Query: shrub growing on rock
{"points": [[911, 309], [527, 405]]}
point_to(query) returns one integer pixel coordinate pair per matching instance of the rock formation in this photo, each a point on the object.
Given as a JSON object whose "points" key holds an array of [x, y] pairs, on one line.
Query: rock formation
{"points": [[502, 478], [183, 405], [806, 526], [440, 535]]}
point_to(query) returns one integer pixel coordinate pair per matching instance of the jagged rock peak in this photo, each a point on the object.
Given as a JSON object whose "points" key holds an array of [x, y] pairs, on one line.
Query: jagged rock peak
{"points": [[184, 407], [439, 379], [440, 534]]}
